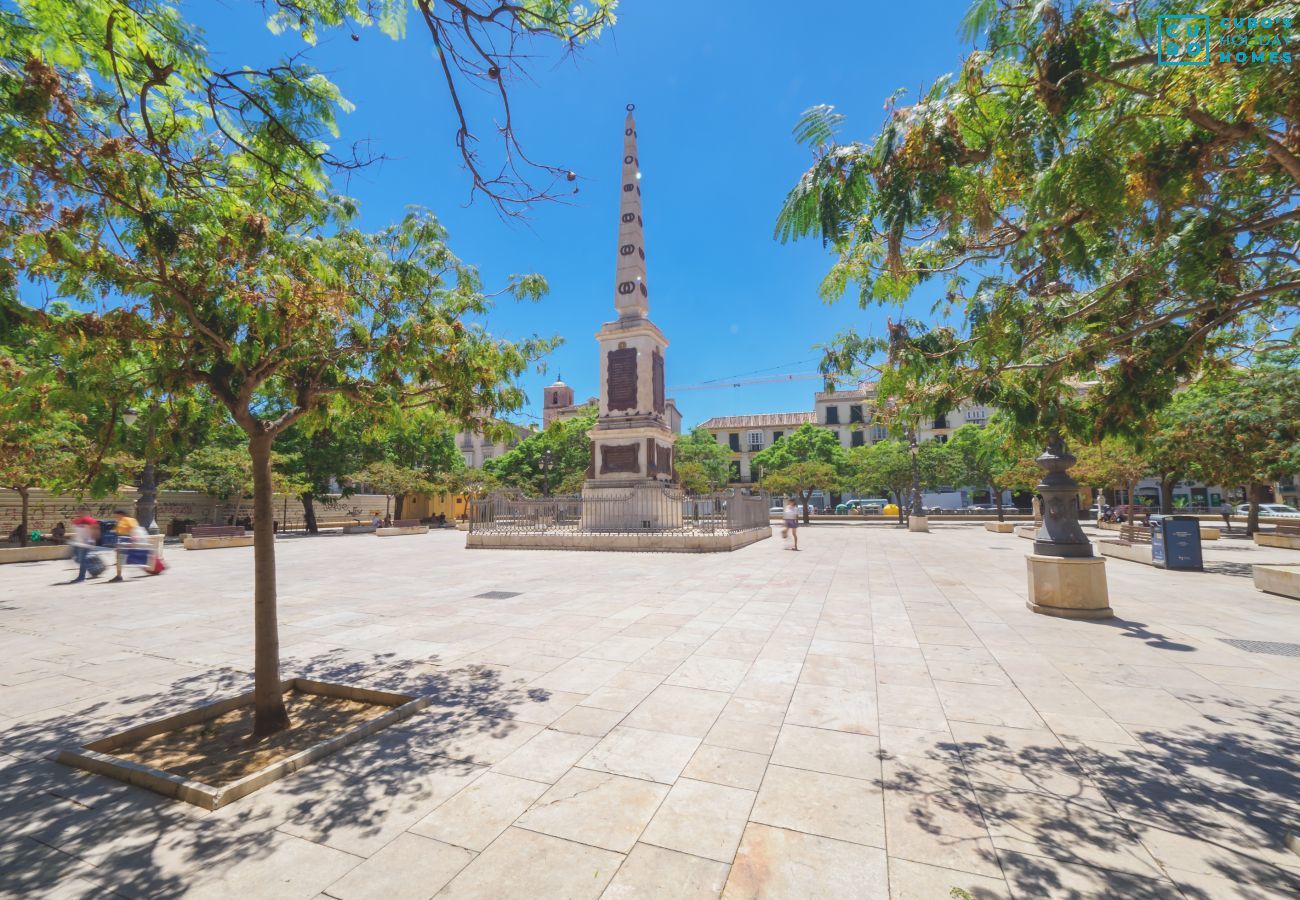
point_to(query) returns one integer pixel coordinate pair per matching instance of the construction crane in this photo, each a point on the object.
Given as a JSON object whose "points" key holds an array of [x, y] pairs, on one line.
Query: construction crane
{"points": [[743, 382]]}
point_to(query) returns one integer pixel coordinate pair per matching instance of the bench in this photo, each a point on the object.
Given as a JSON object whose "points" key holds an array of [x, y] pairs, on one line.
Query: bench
{"points": [[1285, 536], [1274, 579], [210, 537], [403, 526], [204, 531]]}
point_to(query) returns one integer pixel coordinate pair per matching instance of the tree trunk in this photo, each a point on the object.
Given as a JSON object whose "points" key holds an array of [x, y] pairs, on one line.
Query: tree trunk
{"points": [[23, 493], [146, 505], [1167, 483], [399, 503], [269, 714], [308, 513], [1254, 496], [902, 506], [805, 496], [997, 499]]}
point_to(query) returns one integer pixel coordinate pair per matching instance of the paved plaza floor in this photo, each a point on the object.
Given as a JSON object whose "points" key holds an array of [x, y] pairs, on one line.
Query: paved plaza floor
{"points": [[878, 715]]}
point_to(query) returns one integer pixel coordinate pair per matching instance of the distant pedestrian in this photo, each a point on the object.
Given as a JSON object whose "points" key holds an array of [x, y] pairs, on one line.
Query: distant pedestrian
{"points": [[790, 515], [85, 537], [125, 527], [1226, 511], [58, 533]]}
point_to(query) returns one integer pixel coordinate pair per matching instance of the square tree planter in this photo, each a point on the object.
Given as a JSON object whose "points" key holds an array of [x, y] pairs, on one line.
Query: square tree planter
{"points": [[104, 756]]}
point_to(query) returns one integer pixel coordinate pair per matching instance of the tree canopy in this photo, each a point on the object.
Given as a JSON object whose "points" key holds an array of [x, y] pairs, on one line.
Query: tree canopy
{"points": [[702, 463], [807, 459], [1086, 215], [189, 211], [522, 469]]}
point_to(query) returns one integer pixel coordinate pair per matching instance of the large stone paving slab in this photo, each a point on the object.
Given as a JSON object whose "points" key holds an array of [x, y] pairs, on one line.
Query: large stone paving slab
{"points": [[876, 716]]}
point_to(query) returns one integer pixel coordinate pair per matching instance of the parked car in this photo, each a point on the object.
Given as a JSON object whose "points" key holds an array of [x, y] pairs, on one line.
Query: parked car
{"points": [[1094, 512], [982, 507], [777, 511], [850, 507], [1269, 509]]}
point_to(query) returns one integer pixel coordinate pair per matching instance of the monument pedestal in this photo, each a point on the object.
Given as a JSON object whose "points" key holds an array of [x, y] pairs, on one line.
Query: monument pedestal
{"points": [[1069, 587], [630, 506], [918, 523]]}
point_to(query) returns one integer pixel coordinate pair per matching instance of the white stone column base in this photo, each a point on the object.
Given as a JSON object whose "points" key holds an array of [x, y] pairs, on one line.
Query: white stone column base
{"points": [[918, 523], [1069, 588]]}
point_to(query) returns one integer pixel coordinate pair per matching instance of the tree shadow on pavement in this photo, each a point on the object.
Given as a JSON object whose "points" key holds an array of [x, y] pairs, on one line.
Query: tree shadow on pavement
{"points": [[1195, 812], [72, 832]]}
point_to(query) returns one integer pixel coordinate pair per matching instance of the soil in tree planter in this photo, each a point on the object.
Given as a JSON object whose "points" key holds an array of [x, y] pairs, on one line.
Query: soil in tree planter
{"points": [[220, 750]]}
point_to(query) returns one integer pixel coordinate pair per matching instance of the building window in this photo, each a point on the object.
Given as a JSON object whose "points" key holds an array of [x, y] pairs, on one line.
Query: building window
{"points": [[487, 453], [469, 460], [777, 435], [733, 441], [832, 415], [977, 414], [940, 421], [941, 438], [878, 433], [856, 438], [755, 441], [855, 413]]}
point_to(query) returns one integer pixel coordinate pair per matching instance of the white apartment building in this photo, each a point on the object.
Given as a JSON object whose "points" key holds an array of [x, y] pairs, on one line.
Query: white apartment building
{"points": [[848, 414]]}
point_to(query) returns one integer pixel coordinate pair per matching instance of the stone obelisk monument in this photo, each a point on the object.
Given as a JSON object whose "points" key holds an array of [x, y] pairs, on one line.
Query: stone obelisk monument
{"points": [[631, 443]]}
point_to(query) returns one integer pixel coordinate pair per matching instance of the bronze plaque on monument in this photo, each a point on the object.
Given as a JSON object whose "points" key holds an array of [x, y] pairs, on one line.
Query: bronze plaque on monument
{"points": [[659, 381], [615, 458], [621, 378]]}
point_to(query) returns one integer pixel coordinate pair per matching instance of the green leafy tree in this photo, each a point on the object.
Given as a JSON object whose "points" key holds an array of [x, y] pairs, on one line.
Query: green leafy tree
{"points": [[884, 467], [1240, 428], [993, 456], [800, 479], [42, 444], [323, 452], [816, 452], [420, 443], [522, 467], [1111, 463], [1084, 214], [198, 203], [702, 463]]}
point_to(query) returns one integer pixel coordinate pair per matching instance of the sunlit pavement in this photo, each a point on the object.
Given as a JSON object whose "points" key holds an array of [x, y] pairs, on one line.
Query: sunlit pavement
{"points": [[876, 715]]}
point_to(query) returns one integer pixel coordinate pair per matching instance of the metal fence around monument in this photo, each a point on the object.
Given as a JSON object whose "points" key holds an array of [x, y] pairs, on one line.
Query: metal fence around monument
{"points": [[725, 512]]}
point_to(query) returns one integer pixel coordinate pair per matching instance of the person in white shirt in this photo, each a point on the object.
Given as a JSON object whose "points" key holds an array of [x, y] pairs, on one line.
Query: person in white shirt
{"points": [[791, 517]]}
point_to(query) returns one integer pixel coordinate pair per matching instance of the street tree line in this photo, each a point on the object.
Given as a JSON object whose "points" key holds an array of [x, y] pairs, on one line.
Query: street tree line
{"points": [[1080, 216], [174, 234]]}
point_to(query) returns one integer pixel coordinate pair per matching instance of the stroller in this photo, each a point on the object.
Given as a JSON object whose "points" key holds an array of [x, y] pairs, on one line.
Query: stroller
{"points": [[136, 549]]}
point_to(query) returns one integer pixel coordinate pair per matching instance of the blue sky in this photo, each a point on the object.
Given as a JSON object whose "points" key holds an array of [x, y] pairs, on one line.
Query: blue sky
{"points": [[718, 87]]}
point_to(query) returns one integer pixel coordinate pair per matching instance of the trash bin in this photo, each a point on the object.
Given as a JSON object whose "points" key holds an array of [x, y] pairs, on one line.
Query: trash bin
{"points": [[1176, 542]]}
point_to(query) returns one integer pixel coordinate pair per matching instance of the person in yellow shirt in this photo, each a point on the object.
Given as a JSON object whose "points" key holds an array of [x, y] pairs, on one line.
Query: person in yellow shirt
{"points": [[125, 525]]}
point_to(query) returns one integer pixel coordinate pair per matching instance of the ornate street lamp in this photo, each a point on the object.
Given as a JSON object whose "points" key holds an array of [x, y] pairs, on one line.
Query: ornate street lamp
{"points": [[1060, 535], [917, 509]]}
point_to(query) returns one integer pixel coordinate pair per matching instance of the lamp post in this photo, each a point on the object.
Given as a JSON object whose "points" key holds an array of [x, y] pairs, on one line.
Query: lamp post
{"points": [[546, 472], [146, 506], [916, 520], [917, 509]]}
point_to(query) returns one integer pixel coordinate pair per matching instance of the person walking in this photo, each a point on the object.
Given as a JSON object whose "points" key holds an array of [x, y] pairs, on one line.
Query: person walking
{"points": [[790, 515], [85, 537], [125, 526], [1226, 511]]}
